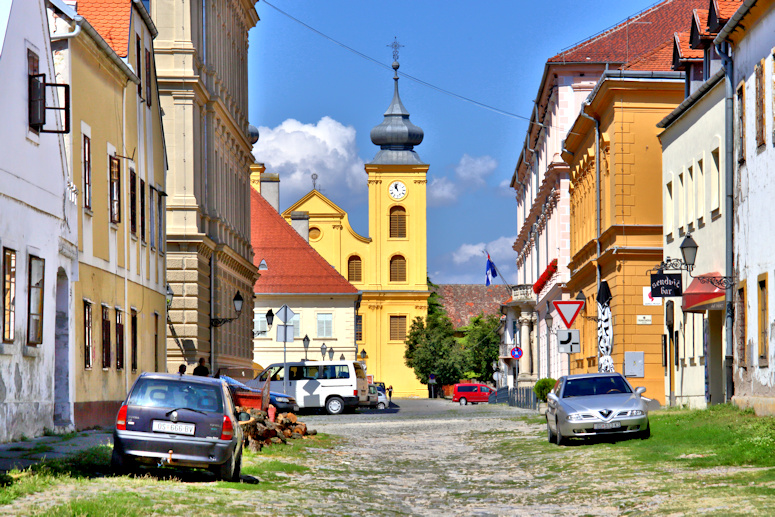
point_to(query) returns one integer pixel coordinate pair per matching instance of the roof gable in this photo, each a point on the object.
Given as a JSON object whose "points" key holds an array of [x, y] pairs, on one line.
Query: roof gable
{"points": [[317, 203], [719, 13], [293, 266], [683, 52], [111, 19], [699, 34]]}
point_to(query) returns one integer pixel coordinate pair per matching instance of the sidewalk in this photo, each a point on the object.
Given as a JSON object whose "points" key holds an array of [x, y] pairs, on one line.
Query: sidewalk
{"points": [[21, 455]]}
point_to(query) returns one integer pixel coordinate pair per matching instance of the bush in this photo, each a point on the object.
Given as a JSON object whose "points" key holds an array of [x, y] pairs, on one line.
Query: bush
{"points": [[543, 387]]}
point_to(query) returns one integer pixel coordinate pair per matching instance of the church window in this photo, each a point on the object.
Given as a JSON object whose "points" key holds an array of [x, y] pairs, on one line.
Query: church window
{"points": [[314, 233], [398, 269], [354, 269], [398, 222], [397, 328]]}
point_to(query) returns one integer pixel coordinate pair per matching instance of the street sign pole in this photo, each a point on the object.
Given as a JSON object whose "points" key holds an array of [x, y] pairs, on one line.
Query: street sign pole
{"points": [[285, 314]]}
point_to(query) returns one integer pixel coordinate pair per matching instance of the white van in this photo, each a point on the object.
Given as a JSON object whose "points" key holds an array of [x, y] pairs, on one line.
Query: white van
{"points": [[334, 385]]}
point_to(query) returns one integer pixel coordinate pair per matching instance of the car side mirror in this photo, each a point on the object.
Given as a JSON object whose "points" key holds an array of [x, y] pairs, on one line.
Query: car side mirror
{"points": [[551, 397], [640, 390], [243, 417]]}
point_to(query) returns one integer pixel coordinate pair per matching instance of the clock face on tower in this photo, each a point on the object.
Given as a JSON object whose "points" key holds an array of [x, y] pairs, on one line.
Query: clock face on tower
{"points": [[397, 190]]}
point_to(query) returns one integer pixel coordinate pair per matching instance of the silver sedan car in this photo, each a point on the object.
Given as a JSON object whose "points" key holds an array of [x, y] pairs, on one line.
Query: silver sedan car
{"points": [[594, 404]]}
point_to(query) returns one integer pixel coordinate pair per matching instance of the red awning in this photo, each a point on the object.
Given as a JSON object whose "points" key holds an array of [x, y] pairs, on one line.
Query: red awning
{"points": [[701, 297]]}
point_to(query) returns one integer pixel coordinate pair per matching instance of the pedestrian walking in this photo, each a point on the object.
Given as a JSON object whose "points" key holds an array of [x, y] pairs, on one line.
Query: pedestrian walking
{"points": [[390, 394], [182, 369], [201, 370]]}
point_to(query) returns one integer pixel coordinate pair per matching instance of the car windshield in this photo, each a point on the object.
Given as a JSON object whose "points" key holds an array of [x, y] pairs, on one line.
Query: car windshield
{"points": [[589, 386], [169, 393]]}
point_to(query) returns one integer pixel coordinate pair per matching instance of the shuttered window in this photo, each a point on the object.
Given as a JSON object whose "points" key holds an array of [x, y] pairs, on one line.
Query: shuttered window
{"points": [[397, 328], [398, 269], [115, 190], [119, 340], [87, 328], [759, 75], [763, 320], [9, 295], [741, 123], [397, 222], [359, 328], [132, 202], [35, 288], [106, 345], [354, 269]]}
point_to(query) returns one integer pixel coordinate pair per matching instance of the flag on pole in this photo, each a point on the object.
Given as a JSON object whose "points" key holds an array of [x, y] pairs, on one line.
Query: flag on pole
{"points": [[490, 271]]}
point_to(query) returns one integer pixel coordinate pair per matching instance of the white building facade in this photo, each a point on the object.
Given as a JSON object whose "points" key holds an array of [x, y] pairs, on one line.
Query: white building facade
{"points": [[37, 234]]}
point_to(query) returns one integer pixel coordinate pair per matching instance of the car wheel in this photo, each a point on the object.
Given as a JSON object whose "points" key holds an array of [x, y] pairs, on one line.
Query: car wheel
{"points": [[334, 406], [549, 432], [646, 433], [120, 463], [558, 438], [463, 401], [381, 405], [225, 471]]}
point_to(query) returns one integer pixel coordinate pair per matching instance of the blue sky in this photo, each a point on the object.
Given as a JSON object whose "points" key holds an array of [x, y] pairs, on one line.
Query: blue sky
{"points": [[315, 103]]}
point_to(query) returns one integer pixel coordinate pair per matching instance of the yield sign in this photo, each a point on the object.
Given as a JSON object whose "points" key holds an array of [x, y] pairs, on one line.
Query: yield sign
{"points": [[568, 310]]}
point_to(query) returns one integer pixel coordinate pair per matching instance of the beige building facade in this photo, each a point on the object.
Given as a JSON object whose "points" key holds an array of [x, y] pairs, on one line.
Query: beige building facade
{"points": [[201, 51], [115, 152]]}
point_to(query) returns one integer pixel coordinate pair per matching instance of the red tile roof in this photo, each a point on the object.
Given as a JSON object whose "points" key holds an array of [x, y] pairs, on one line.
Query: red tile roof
{"points": [[700, 20], [659, 59], [293, 265], [726, 8], [464, 301], [636, 36], [111, 19], [684, 48]]}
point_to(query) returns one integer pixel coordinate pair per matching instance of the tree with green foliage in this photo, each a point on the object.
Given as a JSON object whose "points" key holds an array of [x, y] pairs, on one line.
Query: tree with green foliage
{"points": [[481, 343]]}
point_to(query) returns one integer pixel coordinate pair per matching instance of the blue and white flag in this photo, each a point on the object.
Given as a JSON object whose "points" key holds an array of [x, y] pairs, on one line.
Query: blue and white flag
{"points": [[490, 271]]}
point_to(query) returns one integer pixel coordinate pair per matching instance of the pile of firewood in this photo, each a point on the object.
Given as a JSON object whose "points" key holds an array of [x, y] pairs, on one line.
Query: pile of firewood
{"points": [[260, 430]]}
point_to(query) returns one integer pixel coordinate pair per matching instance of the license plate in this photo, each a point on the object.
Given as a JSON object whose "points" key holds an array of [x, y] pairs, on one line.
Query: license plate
{"points": [[609, 425], [172, 427]]}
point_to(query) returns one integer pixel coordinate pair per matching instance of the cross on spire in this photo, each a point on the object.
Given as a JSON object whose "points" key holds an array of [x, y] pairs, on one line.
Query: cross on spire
{"points": [[395, 46]]}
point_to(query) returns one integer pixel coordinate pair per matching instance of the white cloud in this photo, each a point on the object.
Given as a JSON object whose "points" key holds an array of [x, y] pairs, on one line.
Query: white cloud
{"points": [[441, 192], [467, 263], [474, 170], [296, 151]]}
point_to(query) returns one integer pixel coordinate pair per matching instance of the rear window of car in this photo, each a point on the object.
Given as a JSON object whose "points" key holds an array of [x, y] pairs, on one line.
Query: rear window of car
{"points": [[170, 393], [466, 389], [359, 371], [595, 386]]}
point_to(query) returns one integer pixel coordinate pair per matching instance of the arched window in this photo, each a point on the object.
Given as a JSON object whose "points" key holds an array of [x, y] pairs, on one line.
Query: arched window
{"points": [[398, 269], [397, 222], [354, 269]]}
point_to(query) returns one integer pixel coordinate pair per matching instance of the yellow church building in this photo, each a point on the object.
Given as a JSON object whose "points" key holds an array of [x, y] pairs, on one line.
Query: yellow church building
{"points": [[390, 266]]}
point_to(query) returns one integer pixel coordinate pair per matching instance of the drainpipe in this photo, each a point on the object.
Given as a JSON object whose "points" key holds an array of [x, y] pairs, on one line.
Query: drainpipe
{"points": [[127, 255], [729, 185], [597, 188]]}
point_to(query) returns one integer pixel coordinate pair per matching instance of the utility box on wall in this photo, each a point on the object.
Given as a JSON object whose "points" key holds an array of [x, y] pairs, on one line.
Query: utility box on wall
{"points": [[633, 364]]}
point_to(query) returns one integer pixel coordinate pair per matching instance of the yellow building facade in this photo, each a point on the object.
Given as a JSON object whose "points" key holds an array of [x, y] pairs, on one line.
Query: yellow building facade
{"points": [[390, 266], [616, 221], [116, 155]]}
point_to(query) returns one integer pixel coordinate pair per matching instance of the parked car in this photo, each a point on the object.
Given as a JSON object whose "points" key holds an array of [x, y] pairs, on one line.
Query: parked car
{"points": [[593, 404], [281, 401], [469, 392], [336, 386], [382, 400], [181, 421]]}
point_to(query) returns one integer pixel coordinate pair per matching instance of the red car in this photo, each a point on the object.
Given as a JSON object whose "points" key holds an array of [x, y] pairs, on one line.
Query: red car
{"points": [[470, 392]]}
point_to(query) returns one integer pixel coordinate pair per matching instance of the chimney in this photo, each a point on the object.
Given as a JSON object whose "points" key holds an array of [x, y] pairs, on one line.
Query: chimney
{"points": [[300, 223], [256, 170], [270, 188]]}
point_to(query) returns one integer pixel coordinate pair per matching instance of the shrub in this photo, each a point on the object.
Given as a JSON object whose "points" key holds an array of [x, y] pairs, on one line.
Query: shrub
{"points": [[543, 387]]}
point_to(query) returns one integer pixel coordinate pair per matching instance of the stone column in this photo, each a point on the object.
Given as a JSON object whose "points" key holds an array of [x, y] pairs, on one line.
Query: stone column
{"points": [[525, 364], [534, 346]]}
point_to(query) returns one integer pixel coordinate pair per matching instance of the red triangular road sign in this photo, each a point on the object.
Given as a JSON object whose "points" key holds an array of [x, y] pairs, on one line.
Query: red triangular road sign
{"points": [[568, 310]]}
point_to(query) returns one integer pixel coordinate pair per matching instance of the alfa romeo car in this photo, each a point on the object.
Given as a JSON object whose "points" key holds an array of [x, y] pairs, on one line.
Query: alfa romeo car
{"points": [[594, 404], [181, 421]]}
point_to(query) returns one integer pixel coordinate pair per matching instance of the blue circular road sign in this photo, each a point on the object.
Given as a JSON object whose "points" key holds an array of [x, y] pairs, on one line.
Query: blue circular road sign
{"points": [[516, 352]]}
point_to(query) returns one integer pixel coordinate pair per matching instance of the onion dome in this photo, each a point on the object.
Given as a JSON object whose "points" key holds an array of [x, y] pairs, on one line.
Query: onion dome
{"points": [[396, 135]]}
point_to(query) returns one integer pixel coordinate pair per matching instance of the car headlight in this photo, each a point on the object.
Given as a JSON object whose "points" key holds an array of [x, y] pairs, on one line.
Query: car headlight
{"points": [[575, 417], [282, 399], [635, 412]]}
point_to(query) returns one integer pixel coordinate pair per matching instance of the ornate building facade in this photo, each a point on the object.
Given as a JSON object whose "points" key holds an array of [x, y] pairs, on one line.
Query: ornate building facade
{"points": [[201, 56]]}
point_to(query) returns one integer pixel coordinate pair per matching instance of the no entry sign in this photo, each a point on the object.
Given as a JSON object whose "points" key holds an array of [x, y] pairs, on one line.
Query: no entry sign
{"points": [[516, 352]]}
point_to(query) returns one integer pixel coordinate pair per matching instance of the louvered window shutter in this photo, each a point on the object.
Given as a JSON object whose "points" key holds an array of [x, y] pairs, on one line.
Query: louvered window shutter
{"points": [[398, 269], [397, 222], [354, 269], [397, 328]]}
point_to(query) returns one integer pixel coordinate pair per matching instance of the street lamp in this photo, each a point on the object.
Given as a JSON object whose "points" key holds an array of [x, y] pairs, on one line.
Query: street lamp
{"points": [[689, 251], [363, 355], [331, 354], [306, 345], [341, 357], [269, 319], [323, 351], [170, 294], [217, 322]]}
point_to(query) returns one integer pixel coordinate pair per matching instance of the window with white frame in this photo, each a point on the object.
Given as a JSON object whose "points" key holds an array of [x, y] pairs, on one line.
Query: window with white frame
{"points": [[152, 214], [88, 349], [715, 181], [35, 290], [296, 322], [260, 327], [700, 180], [9, 295], [669, 221], [325, 325]]}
